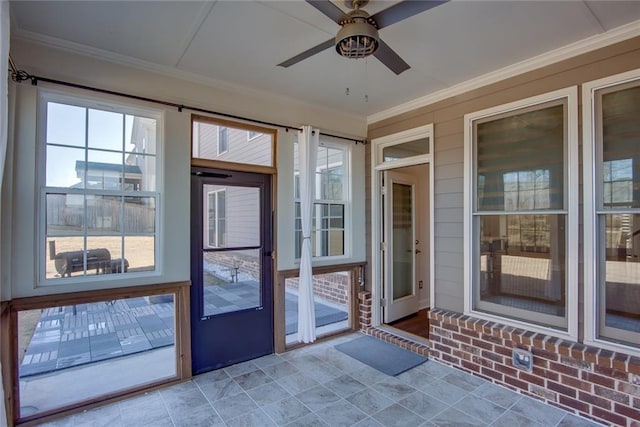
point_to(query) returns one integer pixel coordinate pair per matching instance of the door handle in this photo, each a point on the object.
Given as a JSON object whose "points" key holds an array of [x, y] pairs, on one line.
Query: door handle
{"points": [[418, 251]]}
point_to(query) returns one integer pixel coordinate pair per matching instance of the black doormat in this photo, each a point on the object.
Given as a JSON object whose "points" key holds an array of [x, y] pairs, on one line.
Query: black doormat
{"points": [[385, 357]]}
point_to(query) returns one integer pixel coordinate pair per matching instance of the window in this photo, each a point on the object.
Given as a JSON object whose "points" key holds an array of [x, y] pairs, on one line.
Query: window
{"points": [[331, 193], [520, 216], [100, 191], [223, 140], [216, 218], [612, 209]]}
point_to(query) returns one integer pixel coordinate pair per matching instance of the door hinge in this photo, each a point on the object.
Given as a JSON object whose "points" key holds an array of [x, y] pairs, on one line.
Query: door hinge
{"points": [[383, 246], [383, 302]]}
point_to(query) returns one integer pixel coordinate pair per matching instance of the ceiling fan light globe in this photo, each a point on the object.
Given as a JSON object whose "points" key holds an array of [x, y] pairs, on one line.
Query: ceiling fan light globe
{"points": [[357, 39]]}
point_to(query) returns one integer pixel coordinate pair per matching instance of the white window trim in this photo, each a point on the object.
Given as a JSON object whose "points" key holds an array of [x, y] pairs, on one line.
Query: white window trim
{"points": [[377, 165], [572, 257], [215, 244], [48, 95], [346, 202], [589, 158]]}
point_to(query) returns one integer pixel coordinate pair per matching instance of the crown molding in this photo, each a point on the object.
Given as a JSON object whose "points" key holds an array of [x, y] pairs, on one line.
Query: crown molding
{"points": [[589, 44], [165, 70]]}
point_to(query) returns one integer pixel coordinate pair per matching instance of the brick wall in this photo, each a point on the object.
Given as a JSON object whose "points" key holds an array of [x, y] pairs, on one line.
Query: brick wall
{"points": [[333, 287], [591, 381], [364, 309]]}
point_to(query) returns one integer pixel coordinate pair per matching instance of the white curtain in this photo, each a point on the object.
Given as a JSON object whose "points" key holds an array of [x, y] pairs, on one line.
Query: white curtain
{"points": [[307, 152]]}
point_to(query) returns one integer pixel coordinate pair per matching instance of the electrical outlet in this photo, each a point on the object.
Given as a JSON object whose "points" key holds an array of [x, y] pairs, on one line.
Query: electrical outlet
{"points": [[522, 359]]}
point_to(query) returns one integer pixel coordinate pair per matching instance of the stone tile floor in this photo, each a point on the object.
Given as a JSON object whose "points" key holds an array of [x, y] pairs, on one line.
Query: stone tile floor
{"points": [[319, 386]]}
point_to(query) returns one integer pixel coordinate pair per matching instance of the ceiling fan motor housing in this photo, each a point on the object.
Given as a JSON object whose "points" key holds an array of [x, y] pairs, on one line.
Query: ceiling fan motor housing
{"points": [[358, 37]]}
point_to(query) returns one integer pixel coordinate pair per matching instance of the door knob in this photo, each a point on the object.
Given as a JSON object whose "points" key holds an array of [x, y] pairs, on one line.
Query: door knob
{"points": [[418, 251]]}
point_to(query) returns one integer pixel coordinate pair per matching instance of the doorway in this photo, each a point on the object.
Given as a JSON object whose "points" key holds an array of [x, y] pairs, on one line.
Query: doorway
{"points": [[231, 268], [402, 233]]}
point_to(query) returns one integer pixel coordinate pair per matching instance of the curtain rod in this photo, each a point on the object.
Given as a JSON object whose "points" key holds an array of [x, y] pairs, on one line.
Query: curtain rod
{"points": [[20, 76]]}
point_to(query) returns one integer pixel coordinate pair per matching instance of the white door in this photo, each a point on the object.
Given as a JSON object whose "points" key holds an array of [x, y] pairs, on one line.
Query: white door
{"points": [[400, 246]]}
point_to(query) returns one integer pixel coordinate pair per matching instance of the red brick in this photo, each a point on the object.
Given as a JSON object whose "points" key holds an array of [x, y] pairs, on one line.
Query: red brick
{"points": [[598, 379], [482, 361], [507, 370], [620, 362], [538, 352], [461, 355], [594, 400], [545, 373], [576, 363], [470, 349], [492, 339], [538, 340], [450, 343], [492, 373], [449, 359], [462, 338], [605, 358], [469, 332], [441, 348], [573, 403], [524, 376], [634, 365], [516, 383], [576, 383], [631, 389], [482, 344], [492, 356], [563, 369], [527, 338], [551, 344], [577, 351], [564, 348], [610, 372], [591, 354], [503, 350], [612, 395], [567, 391], [451, 327], [611, 417], [636, 403], [471, 366], [627, 411], [543, 392]]}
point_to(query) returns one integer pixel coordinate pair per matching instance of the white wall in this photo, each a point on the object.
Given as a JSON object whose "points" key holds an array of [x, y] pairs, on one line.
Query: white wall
{"points": [[175, 228]]}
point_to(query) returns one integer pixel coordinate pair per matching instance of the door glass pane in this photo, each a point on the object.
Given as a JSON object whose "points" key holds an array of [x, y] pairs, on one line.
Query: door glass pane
{"points": [[405, 150], [231, 281], [402, 240], [242, 227]]}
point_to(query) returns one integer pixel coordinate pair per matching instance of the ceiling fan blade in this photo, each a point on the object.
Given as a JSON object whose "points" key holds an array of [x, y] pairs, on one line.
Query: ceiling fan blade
{"points": [[403, 10], [307, 53], [392, 60], [329, 9]]}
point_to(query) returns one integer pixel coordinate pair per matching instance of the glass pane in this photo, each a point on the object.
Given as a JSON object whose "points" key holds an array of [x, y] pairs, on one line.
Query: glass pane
{"points": [[104, 254], [64, 256], [65, 167], [140, 173], [139, 215], [88, 347], [406, 149], [522, 262], [140, 135], [620, 131], [106, 130], [104, 170], [65, 124], [238, 148], [231, 281], [620, 292], [139, 253], [520, 161], [239, 230], [331, 304], [65, 214], [402, 240], [104, 214]]}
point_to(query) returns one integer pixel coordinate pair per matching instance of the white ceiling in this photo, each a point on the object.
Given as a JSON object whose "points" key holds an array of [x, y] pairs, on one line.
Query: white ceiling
{"points": [[240, 42]]}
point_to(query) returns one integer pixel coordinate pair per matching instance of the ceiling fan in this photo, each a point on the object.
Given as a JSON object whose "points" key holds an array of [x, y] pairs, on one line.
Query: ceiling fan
{"points": [[358, 34]]}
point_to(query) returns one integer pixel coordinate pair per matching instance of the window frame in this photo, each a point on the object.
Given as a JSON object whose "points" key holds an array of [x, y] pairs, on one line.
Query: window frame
{"points": [[345, 203], [47, 96], [568, 95], [592, 171], [216, 193]]}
